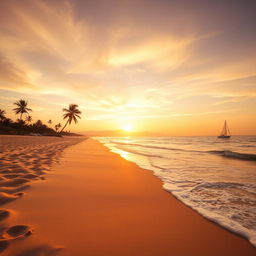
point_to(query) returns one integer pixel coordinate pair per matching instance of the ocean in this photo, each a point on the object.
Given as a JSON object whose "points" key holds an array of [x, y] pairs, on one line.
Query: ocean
{"points": [[215, 177]]}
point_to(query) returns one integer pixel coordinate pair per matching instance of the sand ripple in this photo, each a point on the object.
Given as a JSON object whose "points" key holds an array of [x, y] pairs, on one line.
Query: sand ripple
{"points": [[24, 160]]}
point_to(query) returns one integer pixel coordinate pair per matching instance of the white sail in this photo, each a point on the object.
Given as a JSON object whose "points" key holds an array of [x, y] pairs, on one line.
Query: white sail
{"points": [[225, 133]]}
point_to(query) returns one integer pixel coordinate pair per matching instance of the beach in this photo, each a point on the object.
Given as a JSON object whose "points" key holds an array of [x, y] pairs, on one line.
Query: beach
{"points": [[24, 160], [93, 202]]}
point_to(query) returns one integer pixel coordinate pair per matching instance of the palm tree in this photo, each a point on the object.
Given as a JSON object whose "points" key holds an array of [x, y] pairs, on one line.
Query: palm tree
{"points": [[71, 114], [7, 121], [29, 119], [39, 123], [21, 108], [2, 115], [57, 126], [49, 122]]}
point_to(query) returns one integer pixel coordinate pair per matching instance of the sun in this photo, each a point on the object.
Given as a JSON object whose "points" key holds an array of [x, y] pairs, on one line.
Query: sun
{"points": [[127, 127]]}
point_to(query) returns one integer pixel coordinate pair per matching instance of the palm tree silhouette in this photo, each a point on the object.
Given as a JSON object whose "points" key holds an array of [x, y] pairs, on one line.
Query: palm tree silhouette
{"points": [[29, 119], [39, 123], [49, 122], [21, 108], [57, 126], [71, 114], [2, 115]]}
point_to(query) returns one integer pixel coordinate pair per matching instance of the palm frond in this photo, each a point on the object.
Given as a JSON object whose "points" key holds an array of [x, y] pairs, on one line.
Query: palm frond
{"points": [[71, 113], [21, 107]]}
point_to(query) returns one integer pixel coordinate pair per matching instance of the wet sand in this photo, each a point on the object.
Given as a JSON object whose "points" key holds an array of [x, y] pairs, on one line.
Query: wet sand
{"points": [[96, 203]]}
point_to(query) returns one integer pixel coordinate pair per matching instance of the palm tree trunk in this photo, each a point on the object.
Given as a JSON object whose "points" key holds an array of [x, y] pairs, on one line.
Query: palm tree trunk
{"points": [[64, 126], [21, 116]]}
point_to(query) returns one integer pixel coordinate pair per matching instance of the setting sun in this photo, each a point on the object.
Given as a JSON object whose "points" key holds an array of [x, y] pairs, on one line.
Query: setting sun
{"points": [[127, 127]]}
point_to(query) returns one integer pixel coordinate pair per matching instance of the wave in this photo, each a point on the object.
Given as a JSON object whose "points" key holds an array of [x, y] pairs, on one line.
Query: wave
{"points": [[216, 217], [137, 153], [212, 207], [151, 146], [225, 185], [232, 154], [224, 153], [247, 146]]}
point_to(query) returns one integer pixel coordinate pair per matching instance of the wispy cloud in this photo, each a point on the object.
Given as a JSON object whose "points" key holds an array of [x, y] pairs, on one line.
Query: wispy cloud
{"points": [[118, 58]]}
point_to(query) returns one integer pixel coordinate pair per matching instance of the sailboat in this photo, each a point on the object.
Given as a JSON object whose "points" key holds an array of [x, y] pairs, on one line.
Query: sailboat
{"points": [[225, 133]]}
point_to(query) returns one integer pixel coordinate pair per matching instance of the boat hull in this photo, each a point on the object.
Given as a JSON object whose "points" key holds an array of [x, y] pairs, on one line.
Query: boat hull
{"points": [[223, 137]]}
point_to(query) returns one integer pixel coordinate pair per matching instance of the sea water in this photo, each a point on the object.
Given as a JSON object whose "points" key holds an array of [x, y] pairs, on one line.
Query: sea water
{"points": [[216, 177]]}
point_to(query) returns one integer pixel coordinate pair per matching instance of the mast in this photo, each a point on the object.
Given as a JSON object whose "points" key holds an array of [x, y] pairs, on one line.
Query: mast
{"points": [[225, 128]]}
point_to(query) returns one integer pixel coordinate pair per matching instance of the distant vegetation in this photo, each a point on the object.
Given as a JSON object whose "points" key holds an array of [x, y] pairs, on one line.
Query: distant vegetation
{"points": [[24, 125]]}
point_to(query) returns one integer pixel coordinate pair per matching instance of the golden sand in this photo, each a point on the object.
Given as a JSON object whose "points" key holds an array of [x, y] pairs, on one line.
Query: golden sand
{"points": [[95, 203]]}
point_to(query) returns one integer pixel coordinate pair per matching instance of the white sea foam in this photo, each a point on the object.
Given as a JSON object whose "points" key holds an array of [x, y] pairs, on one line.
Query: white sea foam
{"points": [[214, 177]]}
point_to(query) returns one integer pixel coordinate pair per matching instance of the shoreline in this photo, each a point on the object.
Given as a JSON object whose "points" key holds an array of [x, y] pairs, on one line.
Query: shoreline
{"points": [[101, 204], [142, 159]]}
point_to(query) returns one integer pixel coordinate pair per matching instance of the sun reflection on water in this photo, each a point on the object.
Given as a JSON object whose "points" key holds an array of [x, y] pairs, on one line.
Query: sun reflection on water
{"points": [[124, 155]]}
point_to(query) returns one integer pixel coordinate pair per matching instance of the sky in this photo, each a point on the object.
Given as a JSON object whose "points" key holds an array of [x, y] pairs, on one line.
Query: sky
{"points": [[165, 67]]}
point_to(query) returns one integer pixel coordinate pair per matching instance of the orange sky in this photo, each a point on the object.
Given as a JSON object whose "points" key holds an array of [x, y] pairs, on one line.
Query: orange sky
{"points": [[166, 67]]}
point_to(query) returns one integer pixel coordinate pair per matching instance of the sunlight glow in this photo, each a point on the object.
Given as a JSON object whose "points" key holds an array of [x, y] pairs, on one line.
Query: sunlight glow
{"points": [[154, 75], [124, 155], [127, 127]]}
